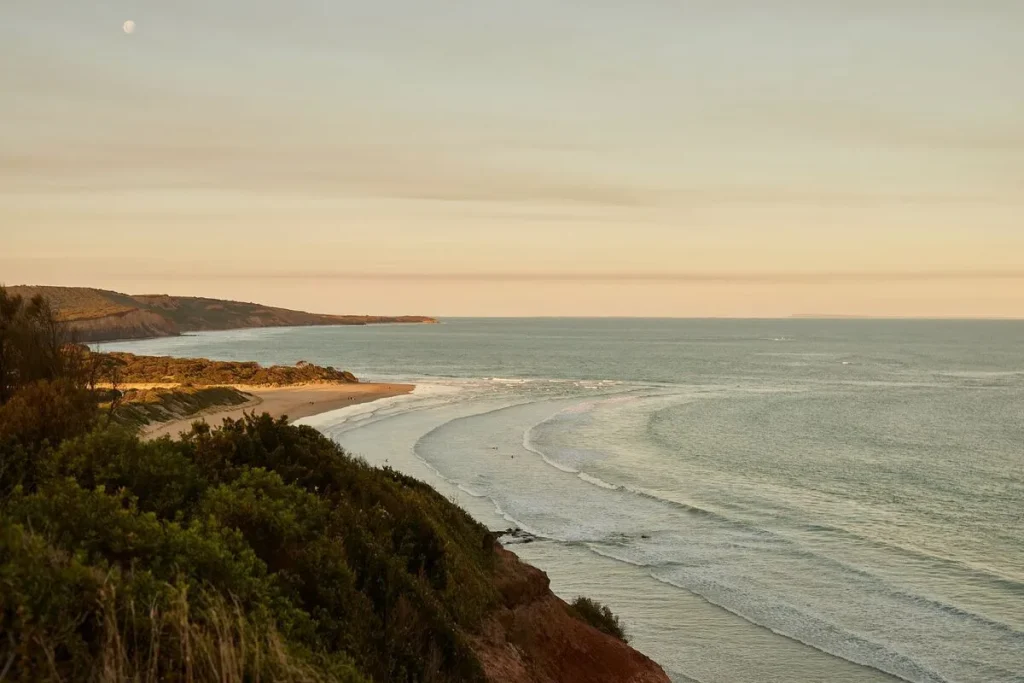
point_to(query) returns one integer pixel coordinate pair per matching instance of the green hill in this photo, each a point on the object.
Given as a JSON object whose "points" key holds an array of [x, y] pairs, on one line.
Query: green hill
{"points": [[102, 315]]}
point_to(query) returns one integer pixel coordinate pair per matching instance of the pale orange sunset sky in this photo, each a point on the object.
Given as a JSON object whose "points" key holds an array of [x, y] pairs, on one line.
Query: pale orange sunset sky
{"points": [[700, 158]]}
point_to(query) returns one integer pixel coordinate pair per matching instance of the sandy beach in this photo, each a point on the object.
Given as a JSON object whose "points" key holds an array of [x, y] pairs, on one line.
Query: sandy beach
{"points": [[294, 401]]}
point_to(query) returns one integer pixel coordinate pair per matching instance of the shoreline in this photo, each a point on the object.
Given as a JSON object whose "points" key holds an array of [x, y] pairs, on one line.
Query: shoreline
{"points": [[731, 647], [295, 402]]}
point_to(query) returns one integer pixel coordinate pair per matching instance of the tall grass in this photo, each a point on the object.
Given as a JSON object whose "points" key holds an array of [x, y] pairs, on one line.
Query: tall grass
{"points": [[212, 642]]}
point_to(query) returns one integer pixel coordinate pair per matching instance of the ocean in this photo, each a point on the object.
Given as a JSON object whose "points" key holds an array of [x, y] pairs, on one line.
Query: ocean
{"points": [[760, 501]]}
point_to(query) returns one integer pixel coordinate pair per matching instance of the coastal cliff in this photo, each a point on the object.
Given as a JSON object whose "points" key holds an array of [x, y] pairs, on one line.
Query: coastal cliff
{"points": [[96, 315], [131, 324], [533, 637]]}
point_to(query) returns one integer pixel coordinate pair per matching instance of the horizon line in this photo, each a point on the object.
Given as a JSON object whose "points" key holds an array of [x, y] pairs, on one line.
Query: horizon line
{"points": [[795, 316]]}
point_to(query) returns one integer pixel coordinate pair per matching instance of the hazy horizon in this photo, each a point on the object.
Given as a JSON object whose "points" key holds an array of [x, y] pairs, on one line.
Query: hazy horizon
{"points": [[695, 159]]}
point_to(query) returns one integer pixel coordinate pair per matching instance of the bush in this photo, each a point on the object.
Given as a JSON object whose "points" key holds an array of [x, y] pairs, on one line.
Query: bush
{"points": [[164, 479], [38, 417], [78, 622], [346, 567], [599, 616]]}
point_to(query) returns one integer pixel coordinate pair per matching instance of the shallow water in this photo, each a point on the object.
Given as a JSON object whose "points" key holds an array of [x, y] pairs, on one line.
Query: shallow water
{"points": [[789, 500]]}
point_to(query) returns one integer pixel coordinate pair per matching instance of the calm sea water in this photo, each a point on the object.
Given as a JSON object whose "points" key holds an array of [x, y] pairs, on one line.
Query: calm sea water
{"points": [[791, 500]]}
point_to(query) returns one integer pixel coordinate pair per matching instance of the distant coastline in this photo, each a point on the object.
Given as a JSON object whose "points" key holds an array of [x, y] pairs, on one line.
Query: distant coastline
{"points": [[97, 315]]}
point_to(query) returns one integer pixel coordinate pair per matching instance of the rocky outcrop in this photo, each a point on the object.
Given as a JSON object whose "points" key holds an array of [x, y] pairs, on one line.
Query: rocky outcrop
{"points": [[534, 638]]}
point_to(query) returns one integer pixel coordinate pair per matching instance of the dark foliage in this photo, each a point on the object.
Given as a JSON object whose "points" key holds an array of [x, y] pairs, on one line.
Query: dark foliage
{"points": [[345, 560], [34, 345], [40, 417], [43, 394], [599, 616]]}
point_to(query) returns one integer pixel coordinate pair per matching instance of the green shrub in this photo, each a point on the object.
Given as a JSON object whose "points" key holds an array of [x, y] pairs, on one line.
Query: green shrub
{"points": [[40, 416], [75, 622], [164, 479], [599, 616], [361, 567]]}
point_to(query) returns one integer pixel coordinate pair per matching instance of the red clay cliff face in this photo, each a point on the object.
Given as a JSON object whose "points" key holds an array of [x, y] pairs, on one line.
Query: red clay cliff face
{"points": [[534, 638]]}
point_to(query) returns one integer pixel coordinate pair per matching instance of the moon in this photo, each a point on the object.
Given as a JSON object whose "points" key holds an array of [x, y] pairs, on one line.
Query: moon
{"points": [[129, 27]]}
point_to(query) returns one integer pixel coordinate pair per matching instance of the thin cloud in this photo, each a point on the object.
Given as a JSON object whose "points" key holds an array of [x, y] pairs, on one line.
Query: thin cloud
{"points": [[610, 277]]}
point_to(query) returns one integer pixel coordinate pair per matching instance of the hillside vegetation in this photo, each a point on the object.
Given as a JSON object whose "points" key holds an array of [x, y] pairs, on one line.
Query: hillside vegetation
{"points": [[101, 315], [132, 369], [599, 616], [257, 551], [79, 303], [269, 529], [135, 408]]}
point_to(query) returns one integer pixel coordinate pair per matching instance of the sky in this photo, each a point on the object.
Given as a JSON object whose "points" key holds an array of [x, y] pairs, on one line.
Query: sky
{"points": [[727, 158]]}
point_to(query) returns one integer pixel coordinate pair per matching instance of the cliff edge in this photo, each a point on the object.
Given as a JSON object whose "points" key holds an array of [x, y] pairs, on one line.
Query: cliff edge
{"points": [[534, 638]]}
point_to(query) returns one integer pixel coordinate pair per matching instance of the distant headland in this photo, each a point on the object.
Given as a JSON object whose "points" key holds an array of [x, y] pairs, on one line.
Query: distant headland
{"points": [[100, 315]]}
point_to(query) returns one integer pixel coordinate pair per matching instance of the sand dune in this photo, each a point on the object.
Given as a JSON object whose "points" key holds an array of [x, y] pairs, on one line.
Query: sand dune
{"points": [[294, 401]]}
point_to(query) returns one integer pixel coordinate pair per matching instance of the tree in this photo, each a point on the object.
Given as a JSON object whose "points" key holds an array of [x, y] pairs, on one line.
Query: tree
{"points": [[35, 345], [10, 311], [43, 394]]}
